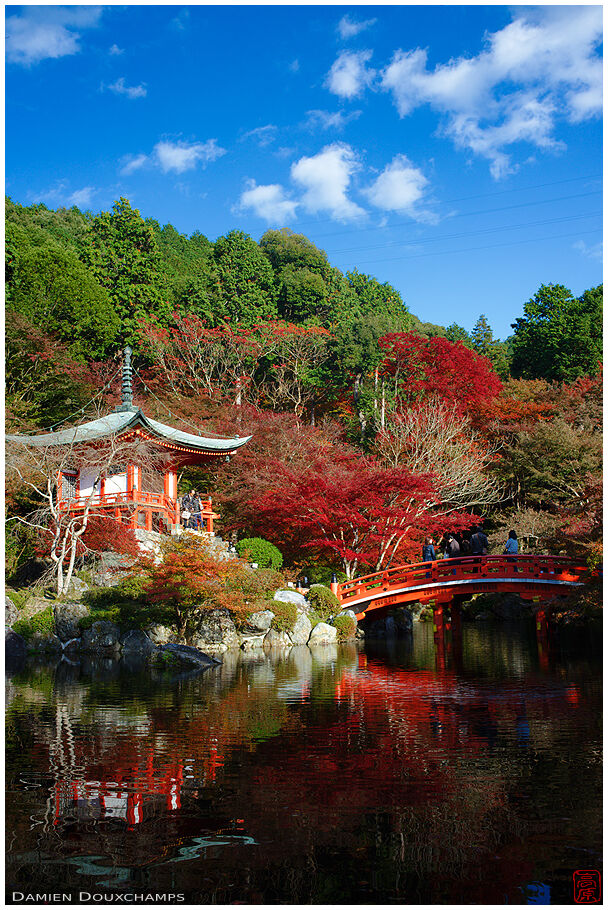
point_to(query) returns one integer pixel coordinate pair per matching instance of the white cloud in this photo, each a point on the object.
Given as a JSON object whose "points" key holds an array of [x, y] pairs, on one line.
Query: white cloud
{"points": [[541, 67], [82, 197], [182, 20], [115, 50], [268, 202], [326, 120], [294, 66], [131, 91], [184, 156], [59, 194], [348, 28], [263, 135], [595, 251], [399, 188], [46, 32], [132, 163], [349, 75], [326, 178]]}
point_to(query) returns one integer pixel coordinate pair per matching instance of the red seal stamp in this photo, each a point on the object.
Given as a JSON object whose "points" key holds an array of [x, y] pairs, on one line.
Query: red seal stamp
{"points": [[587, 886]]}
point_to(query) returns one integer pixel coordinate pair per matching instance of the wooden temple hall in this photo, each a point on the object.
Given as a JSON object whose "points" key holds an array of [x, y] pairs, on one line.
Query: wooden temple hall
{"points": [[135, 493]]}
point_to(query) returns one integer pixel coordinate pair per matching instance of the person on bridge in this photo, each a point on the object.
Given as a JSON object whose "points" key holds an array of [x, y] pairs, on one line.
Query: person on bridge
{"points": [[511, 545], [428, 550], [452, 547], [464, 540], [479, 543]]}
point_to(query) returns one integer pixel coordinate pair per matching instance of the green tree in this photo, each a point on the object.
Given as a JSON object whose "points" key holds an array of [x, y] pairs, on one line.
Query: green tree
{"points": [[559, 336], [482, 337], [49, 285], [455, 332], [245, 280], [379, 299], [122, 254]]}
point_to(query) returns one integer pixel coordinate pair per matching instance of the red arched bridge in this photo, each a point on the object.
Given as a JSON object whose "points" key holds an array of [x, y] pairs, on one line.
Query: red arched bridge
{"points": [[446, 580]]}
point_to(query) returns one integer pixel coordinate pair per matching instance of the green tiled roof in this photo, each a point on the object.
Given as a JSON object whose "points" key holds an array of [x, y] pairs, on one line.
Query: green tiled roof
{"points": [[120, 421]]}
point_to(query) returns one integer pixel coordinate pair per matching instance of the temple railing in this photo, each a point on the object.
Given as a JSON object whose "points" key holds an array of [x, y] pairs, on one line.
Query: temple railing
{"points": [[135, 499]]}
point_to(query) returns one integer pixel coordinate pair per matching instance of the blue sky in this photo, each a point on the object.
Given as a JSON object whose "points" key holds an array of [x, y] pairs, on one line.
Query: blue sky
{"points": [[454, 151]]}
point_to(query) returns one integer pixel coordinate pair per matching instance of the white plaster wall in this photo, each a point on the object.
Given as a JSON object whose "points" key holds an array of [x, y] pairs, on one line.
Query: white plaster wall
{"points": [[87, 477], [117, 483]]}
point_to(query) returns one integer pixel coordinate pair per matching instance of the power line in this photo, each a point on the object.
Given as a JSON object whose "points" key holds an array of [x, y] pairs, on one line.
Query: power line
{"points": [[503, 208], [511, 227], [523, 189], [494, 246]]}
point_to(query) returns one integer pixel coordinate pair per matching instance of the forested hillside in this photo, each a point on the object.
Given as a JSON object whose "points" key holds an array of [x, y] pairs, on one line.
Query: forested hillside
{"points": [[370, 427]]}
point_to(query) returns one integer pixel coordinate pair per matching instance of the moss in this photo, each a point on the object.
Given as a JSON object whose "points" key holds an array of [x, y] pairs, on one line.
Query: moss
{"points": [[19, 597], [126, 605], [42, 622]]}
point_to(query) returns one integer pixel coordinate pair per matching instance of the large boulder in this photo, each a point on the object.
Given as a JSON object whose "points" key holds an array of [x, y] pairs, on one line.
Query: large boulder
{"points": [[323, 634], [301, 629], [67, 616], [10, 611], [261, 621], [44, 642], [292, 597], [160, 635], [189, 657], [276, 639], [215, 631], [102, 638], [136, 642], [15, 650]]}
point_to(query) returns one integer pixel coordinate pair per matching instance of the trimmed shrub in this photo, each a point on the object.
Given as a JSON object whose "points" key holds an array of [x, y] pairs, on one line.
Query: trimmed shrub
{"points": [[346, 627], [264, 553], [285, 615], [324, 604]]}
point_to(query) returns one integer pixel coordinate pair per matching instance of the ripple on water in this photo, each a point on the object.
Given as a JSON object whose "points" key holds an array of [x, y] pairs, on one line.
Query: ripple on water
{"points": [[345, 774]]}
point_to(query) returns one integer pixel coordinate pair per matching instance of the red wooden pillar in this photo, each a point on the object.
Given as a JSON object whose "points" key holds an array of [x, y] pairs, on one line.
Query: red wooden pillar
{"points": [[148, 519]]}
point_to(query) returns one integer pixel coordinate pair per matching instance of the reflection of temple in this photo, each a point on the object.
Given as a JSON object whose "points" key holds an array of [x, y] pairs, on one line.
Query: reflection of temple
{"points": [[125, 798], [133, 492]]}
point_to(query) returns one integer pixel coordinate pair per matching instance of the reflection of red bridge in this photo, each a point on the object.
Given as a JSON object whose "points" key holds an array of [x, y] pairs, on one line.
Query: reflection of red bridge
{"points": [[446, 580]]}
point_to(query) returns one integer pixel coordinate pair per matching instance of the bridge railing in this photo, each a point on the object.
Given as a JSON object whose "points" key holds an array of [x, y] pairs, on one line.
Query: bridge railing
{"points": [[461, 568]]}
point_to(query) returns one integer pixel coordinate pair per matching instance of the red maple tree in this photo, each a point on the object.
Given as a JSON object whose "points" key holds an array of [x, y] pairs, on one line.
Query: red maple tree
{"points": [[420, 366]]}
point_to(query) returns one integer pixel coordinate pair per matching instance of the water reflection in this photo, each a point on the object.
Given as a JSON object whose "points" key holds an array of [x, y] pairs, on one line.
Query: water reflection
{"points": [[339, 775]]}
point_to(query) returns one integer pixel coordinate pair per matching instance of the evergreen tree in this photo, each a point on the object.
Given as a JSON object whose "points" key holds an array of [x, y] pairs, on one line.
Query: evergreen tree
{"points": [[245, 281], [482, 337], [47, 284], [455, 332], [122, 254], [559, 336]]}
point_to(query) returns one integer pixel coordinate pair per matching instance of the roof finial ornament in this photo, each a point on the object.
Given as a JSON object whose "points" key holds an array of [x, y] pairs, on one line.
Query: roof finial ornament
{"points": [[126, 389]]}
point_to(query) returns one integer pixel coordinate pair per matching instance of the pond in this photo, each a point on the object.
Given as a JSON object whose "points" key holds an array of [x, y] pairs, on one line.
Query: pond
{"points": [[359, 773]]}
